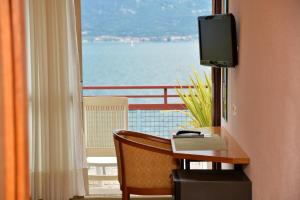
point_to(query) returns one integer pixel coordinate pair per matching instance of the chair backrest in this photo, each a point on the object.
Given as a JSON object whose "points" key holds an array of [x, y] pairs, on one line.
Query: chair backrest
{"points": [[103, 115]]}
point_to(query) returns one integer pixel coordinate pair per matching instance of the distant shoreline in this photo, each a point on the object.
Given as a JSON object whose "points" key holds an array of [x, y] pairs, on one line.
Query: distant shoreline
{"points": [[136, 40]]}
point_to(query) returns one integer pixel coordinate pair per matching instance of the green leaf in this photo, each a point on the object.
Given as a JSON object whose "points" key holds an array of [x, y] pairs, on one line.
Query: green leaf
{"points": [[198, 100]]}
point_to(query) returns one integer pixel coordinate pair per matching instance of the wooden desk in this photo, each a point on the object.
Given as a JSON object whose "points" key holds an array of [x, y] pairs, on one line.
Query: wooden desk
{"points": [[233, 154]]}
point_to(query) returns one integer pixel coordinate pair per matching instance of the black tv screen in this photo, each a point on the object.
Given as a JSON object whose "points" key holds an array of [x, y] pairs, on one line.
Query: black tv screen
{"points": [[217, 40]]}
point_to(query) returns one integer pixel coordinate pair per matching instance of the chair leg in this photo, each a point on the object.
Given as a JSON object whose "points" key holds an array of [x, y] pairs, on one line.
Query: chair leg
{"points": [[125, 195]]}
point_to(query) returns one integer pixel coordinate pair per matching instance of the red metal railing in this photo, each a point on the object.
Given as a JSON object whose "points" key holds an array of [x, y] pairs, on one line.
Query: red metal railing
{"points": [[165, 96]]}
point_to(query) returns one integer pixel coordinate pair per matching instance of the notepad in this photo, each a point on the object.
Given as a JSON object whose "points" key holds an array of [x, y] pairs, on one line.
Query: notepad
{"points": [[212, 142]]}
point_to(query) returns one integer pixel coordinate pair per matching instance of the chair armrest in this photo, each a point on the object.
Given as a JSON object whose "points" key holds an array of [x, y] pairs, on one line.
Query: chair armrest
{"points": [[118, 136], [142, 135]]}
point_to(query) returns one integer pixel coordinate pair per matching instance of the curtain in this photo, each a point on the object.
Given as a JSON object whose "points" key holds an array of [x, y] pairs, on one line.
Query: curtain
{"points": [[14, 183], [57, 159]]}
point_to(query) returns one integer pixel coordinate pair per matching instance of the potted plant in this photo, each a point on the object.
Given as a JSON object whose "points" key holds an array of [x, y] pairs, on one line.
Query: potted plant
{"points": [[198, 100]]}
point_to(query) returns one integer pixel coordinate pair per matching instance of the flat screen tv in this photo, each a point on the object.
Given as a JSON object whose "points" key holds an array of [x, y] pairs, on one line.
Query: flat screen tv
{"points": [[217, 40]]}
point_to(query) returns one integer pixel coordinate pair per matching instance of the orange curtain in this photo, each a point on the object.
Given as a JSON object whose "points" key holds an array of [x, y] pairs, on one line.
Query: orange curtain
{"points": [[14, 182]]}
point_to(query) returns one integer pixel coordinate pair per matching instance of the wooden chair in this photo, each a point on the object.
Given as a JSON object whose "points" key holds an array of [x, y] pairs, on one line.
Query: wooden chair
{"points": [[145, 164]]}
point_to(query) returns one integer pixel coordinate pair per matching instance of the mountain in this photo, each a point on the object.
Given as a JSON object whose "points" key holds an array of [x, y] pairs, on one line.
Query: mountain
{"points": [[142, 18]]}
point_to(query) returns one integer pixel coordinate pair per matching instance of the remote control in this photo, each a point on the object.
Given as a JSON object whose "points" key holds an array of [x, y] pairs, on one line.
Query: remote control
{"points": [[188, 131]]}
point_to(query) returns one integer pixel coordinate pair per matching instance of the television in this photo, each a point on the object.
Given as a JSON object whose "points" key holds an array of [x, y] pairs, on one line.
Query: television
{"points": [[217, 40]]}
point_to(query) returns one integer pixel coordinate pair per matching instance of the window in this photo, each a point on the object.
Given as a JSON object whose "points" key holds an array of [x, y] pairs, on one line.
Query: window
{"points": [[141, 43]]}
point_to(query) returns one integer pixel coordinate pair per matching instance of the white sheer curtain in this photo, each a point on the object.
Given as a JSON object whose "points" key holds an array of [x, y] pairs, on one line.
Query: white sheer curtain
{"points": [[57, 159]]}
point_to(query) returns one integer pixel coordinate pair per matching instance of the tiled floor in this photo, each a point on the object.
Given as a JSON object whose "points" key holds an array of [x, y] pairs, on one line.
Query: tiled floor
{"points": [[105, 188]]}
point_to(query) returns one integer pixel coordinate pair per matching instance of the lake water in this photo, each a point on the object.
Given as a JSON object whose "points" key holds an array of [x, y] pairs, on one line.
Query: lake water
{"points": [[152, 63], [149, 63]]}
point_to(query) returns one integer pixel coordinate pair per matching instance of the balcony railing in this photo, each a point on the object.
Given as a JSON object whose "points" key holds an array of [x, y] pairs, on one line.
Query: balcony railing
{"points": [[155, 118]]}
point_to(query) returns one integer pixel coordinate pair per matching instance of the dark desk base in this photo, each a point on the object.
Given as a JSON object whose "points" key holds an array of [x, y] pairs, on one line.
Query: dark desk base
{"points": [[212, 185]]}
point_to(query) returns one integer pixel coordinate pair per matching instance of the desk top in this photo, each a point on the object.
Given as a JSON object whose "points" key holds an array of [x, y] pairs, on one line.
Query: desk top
{"points": [[233, 154]]}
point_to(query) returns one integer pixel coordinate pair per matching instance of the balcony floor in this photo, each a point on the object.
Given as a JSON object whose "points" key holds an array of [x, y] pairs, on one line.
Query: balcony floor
{"points": [[111, 188]]}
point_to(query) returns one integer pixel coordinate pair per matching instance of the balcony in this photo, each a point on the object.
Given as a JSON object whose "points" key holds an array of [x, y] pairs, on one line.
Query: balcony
{"points": [[157, 110]]}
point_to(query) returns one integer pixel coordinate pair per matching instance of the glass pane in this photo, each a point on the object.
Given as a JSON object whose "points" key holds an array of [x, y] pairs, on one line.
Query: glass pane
{"points": [[141, 42]]}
